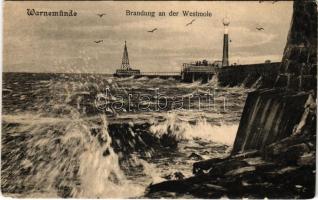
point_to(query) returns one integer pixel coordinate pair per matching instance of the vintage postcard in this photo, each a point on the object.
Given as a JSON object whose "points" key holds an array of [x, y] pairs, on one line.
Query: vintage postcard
{"points": [[159, 99]]}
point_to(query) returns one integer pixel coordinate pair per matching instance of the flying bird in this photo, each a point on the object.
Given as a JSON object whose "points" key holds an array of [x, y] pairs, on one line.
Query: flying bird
{"points": [[190, 22], [98, 41], [153, 30], [260, 28], [101, 15]]}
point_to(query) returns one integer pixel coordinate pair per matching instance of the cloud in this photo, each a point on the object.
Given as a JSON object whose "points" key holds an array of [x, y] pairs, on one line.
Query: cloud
{"points": [[59, 44]]}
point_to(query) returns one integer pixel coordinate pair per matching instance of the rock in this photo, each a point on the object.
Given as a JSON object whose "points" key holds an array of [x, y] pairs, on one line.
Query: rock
{"points": [[286, 154], [222, 168], [207, 190], [247, 154], [168, 177], [205, 152], [162, 194], [106, 153], [198, 167], [239, 171], [307, 159], [169, 186], [254, 161], [267, 166], [286, 170], [169, 140], [178, 175], [195, 156], [292, 154], [174, 176]]}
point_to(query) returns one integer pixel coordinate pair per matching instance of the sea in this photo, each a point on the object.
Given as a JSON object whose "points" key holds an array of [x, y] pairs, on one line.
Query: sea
{"points": [[97, 136]]}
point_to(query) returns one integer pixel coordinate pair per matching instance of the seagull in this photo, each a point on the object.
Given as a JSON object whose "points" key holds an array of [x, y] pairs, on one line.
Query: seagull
{"points": [[260, 28], [190, 22], [101, 15], [153, 30], [98, 41]]}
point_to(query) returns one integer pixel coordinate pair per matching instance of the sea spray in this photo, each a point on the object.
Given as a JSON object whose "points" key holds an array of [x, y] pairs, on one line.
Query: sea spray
{"points": [[55, 145], [100, 172], [214, 82], [65, 157], [224, 133], [181, 129], [56, 153]]}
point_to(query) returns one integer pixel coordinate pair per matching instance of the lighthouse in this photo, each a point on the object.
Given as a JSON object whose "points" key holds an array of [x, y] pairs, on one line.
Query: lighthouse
{"points": [[225, 58]]}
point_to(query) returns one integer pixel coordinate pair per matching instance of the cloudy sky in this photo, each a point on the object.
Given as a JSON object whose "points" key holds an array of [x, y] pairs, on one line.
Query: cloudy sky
{"points": [[66, 44]]}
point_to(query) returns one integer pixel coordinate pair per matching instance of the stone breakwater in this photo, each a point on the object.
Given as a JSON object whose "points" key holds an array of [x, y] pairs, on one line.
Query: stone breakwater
{"points": [[259, 75], [274, 151], [263, 74]]}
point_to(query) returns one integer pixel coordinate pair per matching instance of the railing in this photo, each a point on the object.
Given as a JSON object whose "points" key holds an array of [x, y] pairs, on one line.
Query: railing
{"points": [[160, 73], [204, 69]]}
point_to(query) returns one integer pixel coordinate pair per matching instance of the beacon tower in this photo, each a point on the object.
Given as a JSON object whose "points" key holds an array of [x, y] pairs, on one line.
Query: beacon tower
{"points": [[225, 58], [125, 60]]}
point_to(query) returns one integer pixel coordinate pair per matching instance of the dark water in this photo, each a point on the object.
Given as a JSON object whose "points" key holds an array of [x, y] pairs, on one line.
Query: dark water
{"points": [[72, 135]]}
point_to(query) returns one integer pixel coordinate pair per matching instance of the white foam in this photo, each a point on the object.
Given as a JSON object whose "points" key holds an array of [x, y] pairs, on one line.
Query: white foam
{"points": [[78, 150], [224, 133]]}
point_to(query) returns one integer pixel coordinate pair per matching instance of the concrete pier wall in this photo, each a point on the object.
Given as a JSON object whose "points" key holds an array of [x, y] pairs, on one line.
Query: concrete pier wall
{"points": [[190, 77], [272, 114], [274, 153], [247, 75], [269, 116]]}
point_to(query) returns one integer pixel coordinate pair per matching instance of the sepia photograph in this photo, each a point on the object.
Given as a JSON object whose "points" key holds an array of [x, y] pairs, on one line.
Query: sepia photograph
{"points": [[159, 99]]}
